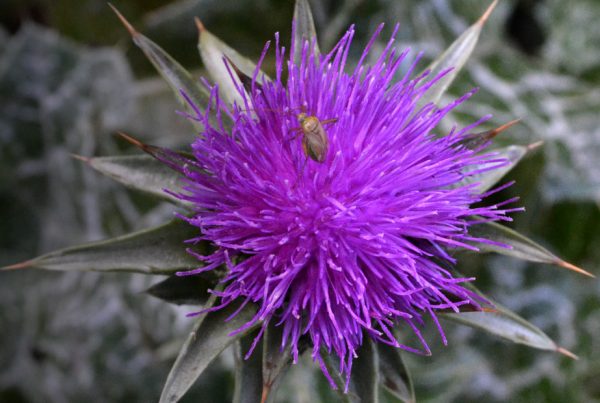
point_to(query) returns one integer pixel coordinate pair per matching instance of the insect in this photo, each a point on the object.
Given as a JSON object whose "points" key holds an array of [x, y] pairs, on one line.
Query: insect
{"points": [[314, 141]]}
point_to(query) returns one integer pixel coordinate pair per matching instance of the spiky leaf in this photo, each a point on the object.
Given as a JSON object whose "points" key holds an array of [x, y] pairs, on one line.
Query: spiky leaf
{"points": [[186, 290], [522, 247], [248, 372], [305, 29], [365, 373], [454, 57], [158, 250], [275, 361], [394, 374], [213, 52], [141, 172], [504, 323], [332, 364], [513, 154], [208, 339], [178, 78]]}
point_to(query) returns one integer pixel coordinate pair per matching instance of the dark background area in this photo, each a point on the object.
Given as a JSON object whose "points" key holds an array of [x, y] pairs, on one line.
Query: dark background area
{"points": [[70, 78]]}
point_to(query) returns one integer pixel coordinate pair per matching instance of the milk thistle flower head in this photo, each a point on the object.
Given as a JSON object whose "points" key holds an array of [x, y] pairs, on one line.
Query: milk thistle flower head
{"points": [[343, 230], [328, 203]]}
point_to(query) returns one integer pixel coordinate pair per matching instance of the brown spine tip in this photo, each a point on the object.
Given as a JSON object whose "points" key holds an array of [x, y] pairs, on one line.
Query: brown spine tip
{"points": [[133, 141], [124, 21], [494, 132], [17, 266], [81, 158], [567, 353], [574, 268], [487, 13], [199, 25], [535, 145], [265, 393]]}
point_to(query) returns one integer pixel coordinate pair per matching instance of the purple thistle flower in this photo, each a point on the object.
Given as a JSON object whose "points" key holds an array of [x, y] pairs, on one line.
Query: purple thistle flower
{"points": [[357, 243]]}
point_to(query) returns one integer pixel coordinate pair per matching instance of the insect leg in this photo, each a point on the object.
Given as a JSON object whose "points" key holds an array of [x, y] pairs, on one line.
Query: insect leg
{"points": [[297, 131], [327, 121]]}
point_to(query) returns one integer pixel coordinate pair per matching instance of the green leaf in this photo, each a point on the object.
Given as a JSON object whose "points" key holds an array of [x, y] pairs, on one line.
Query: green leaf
{"points": [[248, 373], [178, 78], [506, 324], [394, 374], [213, 51], [140, 172], [365, 373], [522, 247], [488, 179], [454, 57], [305, 29], [513, 154], [158, 250], [186, 290], [275, 361], [332, 365], [210, 337]]}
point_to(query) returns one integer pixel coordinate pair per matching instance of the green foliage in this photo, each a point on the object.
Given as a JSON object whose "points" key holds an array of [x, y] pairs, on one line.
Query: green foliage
{"points": [[152, 251], [140, 172], [453, 59], [210, 336]]}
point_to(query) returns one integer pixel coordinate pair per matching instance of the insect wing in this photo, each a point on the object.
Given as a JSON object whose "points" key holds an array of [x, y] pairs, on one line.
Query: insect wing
{"points": [[317, 143]]}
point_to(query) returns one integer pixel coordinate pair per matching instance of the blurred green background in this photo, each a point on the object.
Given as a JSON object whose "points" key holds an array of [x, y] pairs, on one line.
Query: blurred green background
{"points": [[70, 78]]}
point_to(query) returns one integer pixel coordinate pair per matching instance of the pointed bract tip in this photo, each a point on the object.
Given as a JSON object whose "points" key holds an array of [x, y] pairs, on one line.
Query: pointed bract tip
{"points": [[494, 132], [81, 158], [574, 268], [265, 393], [132, 140], [535, 145], [124, 21], [487, 13], [508, 125], [231, 64], [566, 352], [199, 25], [17, 266]]}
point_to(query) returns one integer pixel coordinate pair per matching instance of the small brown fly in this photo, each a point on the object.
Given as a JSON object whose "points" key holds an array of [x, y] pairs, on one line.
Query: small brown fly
{"points": [[314, 140]]}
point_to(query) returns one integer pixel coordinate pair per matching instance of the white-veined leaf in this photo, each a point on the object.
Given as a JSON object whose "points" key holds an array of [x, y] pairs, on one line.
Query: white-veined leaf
{"points": [[395, 377], [275, 361], [183, 290], [178, 78], [213, 52], [522, 247], [158, 250], [248, 373], [305, 29], [365, 378], [208, 339], [506, 324], [140, 172], [454, 57]]}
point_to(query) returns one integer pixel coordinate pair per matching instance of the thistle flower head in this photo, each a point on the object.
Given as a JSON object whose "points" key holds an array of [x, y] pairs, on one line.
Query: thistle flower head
{"points": [[345, 235]]}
